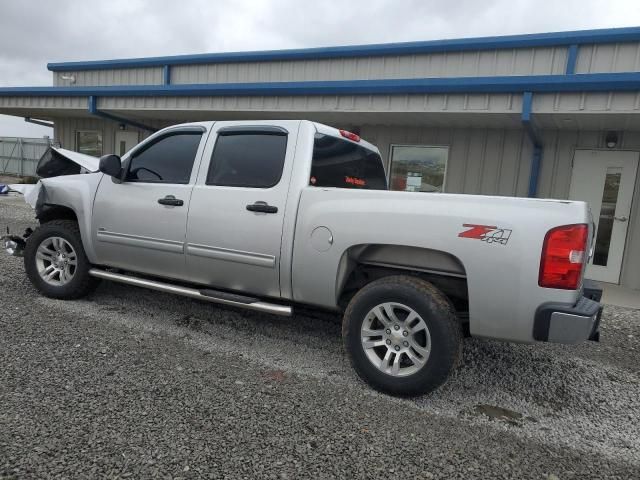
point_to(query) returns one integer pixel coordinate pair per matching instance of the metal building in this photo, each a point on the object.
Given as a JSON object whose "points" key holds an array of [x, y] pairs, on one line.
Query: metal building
{"points": [[548, 115]]}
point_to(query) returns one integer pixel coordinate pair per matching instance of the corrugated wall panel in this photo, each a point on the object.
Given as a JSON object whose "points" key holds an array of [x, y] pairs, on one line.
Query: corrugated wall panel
{"points": [[495, 103], [612, 57], [458, 64], [65, 131], [588, 102], [481, 161], [118, 76]]}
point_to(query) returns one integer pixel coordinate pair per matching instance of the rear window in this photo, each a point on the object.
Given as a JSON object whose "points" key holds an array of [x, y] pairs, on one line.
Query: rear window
{"points": [[343, 164]]}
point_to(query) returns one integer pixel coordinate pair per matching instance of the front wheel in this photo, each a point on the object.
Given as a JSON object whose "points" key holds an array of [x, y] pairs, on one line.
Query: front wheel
{"points": [[55, 261], [402, 335]]}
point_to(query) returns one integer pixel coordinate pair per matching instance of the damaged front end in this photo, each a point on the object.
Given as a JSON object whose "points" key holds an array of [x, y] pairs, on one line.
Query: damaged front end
{"points": [[56, 162]]}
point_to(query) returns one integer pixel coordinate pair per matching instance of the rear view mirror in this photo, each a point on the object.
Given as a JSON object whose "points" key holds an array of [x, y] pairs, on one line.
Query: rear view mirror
{"points": [[111, 165]]}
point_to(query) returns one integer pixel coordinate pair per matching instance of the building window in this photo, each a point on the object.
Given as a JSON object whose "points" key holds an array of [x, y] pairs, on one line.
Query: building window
{"points": [[89, 143], [418, 168]]}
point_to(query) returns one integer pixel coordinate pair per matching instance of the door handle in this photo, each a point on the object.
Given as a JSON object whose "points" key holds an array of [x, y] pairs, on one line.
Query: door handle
{"points": [[262, 207], [621, 219], [171, 200]]}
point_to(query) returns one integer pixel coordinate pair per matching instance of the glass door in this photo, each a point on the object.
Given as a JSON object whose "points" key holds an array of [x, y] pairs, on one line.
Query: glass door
{"points": [[605, 180]]}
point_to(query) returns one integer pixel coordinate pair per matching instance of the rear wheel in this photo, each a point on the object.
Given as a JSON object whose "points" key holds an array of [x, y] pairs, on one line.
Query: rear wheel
{"points": [[402, 335], [56, 263]]}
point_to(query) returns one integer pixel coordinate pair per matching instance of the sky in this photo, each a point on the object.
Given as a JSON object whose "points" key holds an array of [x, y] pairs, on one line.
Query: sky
{"points": [[35, 32]]}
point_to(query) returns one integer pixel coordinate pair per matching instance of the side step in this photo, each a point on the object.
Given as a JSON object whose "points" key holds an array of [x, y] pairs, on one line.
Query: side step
{"points": [[205, 294]]}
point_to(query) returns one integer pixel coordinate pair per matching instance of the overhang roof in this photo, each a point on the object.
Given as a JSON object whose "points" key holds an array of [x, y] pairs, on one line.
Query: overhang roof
{"points": [[584, 82], [580, 37]]}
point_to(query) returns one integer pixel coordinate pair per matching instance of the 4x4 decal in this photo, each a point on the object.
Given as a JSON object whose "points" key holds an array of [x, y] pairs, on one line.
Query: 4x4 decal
{"points": [[486, 233]]}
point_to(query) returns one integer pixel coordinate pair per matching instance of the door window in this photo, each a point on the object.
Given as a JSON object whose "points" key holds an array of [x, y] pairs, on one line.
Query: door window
{"points": [[340, 163], [416, 168], [245, 158], [169, 159], [607, 215]]}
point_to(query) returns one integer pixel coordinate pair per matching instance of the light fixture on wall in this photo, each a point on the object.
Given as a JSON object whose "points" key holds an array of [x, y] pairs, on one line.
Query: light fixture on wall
{"points": [[68, 78], [611, 139], [122, 126]]}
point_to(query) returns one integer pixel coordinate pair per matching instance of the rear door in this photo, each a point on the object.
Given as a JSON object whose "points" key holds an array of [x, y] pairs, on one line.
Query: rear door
{"points": [[139, 223], [234, 230]]}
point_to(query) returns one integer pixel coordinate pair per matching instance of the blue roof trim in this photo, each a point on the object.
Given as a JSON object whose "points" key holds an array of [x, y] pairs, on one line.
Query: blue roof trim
{"points": [[594, 82], [629, 34]]}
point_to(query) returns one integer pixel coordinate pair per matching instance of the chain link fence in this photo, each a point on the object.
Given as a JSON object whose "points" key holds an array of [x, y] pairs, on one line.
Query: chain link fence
{"points": [[19, 156]]}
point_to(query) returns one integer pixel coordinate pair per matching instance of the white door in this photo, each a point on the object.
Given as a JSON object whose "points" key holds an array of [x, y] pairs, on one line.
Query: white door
{"points": [[140, 221], [234, 230], [125, 141], [605, 180]]}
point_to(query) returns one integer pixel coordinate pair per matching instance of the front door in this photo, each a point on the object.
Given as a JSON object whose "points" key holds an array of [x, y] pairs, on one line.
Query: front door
{"points": [[125, 140], [237, 210], [605, 180], [139, 223]]}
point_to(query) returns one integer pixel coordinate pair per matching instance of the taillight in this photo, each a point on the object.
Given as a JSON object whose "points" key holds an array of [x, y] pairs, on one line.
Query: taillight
{"points": [[350, 135], [563, 256]]}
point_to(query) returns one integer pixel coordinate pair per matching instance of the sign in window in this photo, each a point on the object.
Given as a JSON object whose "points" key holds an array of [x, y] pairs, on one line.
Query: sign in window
{"points": [[416, 168]]}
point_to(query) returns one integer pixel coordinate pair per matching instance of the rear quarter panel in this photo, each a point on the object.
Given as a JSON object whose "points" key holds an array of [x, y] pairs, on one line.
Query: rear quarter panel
{"points": [[502, 278]]}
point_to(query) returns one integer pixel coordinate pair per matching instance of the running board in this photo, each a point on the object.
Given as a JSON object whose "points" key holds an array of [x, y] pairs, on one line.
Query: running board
{"points": [[205, 294]]}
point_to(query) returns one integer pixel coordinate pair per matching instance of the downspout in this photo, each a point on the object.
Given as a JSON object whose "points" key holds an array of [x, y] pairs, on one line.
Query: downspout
{"points": [[536, 158], [93, 110]]}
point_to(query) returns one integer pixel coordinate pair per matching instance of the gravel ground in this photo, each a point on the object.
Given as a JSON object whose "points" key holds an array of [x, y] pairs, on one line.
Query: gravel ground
{"points": [[135, 383]]}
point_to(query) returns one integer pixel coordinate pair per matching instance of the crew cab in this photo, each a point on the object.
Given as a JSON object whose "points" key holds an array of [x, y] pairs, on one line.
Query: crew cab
{"points": [[268, 215]]}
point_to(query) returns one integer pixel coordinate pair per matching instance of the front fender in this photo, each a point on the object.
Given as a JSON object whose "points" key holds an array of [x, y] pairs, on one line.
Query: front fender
{"points": [[76, 192]]}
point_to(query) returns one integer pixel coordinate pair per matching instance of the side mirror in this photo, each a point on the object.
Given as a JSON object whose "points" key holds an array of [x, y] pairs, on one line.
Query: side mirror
{"points": [[111, 165]]}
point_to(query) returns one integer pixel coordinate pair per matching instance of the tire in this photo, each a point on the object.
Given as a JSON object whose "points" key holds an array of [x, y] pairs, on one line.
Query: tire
{"points": [[55, 239], [427, 354]]}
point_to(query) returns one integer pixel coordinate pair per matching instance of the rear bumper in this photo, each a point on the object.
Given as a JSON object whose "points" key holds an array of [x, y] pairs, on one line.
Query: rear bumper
{"points": [[570, 324]]}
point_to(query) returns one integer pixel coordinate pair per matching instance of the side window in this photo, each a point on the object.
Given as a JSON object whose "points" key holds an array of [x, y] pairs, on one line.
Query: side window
{"points": [[247, 159], [339, 163], [169, 159]]}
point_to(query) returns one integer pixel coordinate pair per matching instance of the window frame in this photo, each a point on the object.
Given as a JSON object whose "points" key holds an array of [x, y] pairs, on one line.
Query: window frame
{"points": [[240, 130], [152, 140], [420, 145], [76, 143]]}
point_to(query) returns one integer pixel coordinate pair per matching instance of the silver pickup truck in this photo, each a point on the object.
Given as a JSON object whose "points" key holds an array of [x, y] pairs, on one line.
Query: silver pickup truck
{"points": [[267, 215]]}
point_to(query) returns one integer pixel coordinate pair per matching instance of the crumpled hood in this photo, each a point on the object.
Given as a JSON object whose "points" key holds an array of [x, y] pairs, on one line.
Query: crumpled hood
{"points": [[57, 162]]}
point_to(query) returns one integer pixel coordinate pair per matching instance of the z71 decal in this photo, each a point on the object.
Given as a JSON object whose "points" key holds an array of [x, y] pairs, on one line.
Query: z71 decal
{"points": [[486, 233]]}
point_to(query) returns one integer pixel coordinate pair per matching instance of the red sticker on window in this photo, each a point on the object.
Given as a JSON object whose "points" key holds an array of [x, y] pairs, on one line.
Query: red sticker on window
{"points": [[312, 180], [355, 181]]}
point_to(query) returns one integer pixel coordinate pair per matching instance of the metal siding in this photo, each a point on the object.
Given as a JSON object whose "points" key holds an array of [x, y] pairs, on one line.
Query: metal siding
{"points": [[609, 58], [586, 102], [65, 131], [419, 103], [118, 76], [484, 161], [529, 61]]}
